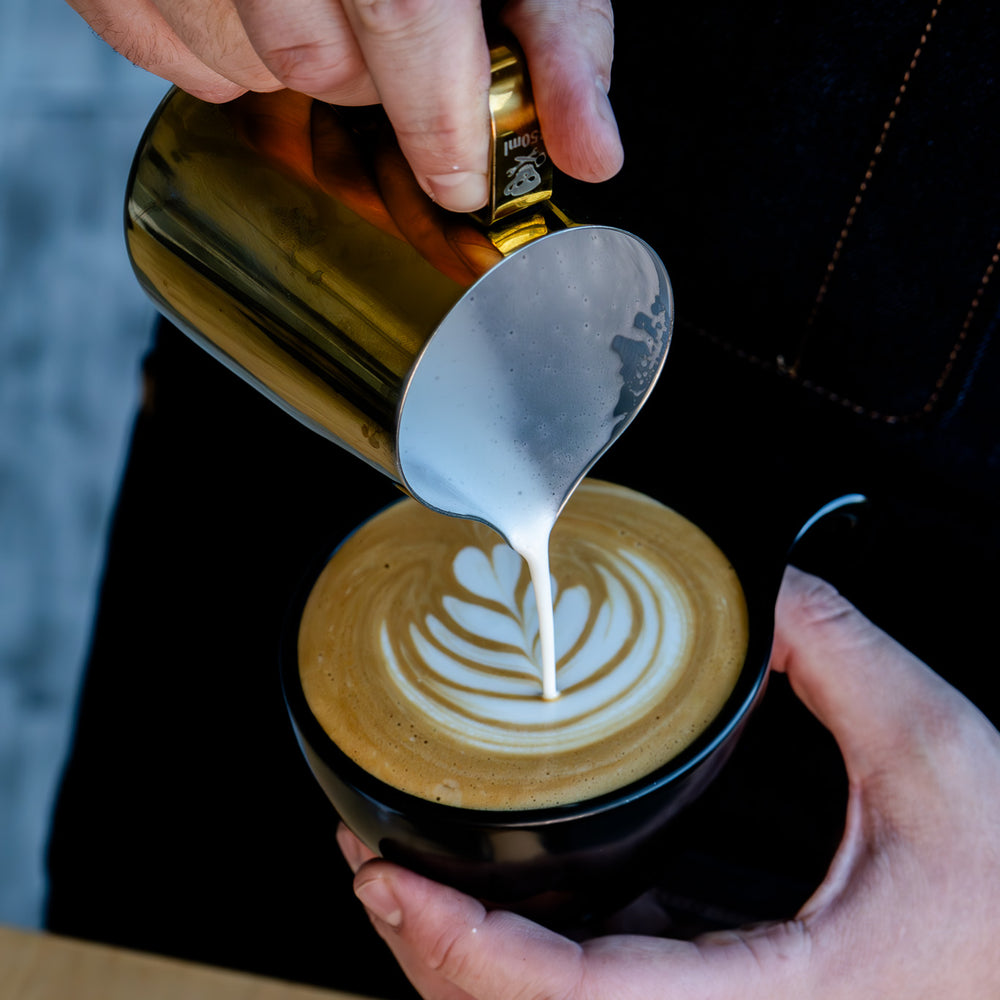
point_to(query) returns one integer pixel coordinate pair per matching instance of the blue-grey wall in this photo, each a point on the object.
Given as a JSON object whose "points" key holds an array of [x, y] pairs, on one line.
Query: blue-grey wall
{"points": [[73, 327]]}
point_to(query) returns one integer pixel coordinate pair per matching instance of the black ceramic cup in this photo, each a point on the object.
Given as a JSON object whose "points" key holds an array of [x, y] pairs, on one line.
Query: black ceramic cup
{"points": [[560, 865]]}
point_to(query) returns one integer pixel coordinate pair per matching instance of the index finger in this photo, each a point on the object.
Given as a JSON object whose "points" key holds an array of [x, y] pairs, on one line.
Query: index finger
{"points": [[430, 63]]}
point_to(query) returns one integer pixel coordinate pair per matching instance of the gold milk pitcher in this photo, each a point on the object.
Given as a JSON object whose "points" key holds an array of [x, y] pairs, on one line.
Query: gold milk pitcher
{"points": [[292, 241]]}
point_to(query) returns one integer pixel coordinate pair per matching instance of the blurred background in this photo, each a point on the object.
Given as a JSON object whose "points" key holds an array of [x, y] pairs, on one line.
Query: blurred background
{"points": [[73, 328]]}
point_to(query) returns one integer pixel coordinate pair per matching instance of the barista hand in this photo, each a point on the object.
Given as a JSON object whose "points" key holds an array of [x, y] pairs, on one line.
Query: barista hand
{"points": [[426, 62], [907, 909]]}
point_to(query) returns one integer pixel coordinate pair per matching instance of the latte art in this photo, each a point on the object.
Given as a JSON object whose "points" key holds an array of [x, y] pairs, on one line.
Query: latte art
{"points": [[419, 651], [477, 672]]}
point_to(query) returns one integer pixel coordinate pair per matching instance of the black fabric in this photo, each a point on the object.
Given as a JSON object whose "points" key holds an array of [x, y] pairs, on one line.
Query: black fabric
{"points": [[188, 823]]}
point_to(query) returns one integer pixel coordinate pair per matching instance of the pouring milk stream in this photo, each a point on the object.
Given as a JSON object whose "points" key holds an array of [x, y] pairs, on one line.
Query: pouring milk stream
{"points": [[482, 363], [527, 412]]}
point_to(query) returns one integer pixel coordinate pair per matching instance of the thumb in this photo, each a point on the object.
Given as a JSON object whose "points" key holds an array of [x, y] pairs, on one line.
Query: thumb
{"points": [[450, 947], [875, 697]]}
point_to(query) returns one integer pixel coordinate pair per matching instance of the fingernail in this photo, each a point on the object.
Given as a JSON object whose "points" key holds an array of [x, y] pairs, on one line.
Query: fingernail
{"points": [[461, 191], [379, 900]]}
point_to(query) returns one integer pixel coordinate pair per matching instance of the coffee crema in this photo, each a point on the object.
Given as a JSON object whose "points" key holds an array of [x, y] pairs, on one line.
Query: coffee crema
{"points": [[418, 651]]}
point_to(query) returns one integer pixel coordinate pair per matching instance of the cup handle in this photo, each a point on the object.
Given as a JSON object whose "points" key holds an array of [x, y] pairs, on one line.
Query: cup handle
{"points": [[833, 537], [848, 508]]}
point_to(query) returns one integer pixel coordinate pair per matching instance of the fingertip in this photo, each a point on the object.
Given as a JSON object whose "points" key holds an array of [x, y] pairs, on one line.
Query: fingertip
{"points": [[355, 852], [606, 155], [459, 191], [808, 603], [810, 614], [578, 122], [214, 91]]}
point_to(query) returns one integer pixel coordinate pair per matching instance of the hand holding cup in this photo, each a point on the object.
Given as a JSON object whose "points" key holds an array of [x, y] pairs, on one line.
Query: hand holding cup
{"points": [[907, 908]]}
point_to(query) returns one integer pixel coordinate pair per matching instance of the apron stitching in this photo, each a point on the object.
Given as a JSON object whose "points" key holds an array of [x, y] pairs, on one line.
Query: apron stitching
{"points": [[792, 368], [858, 408]]}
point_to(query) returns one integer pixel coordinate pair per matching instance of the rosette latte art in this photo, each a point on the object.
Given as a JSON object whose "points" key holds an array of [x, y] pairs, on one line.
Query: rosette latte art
{"points": [[419, 654]]}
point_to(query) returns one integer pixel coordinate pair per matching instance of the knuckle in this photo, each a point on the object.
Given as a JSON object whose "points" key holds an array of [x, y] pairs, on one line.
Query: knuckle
{"points": [[315, 68], [441, 144], [448, 956], [396, 17], [819, 603], [775, 953], [784, 942], [587, 20], [251, 75]]}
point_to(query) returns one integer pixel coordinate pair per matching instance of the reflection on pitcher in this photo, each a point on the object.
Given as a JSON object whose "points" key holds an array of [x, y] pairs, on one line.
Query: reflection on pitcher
{"points": [[353, 157]]}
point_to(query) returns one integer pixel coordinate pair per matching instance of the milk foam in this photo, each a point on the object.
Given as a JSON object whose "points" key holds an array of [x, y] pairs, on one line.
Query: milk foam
{"points": [[482, 690]]}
